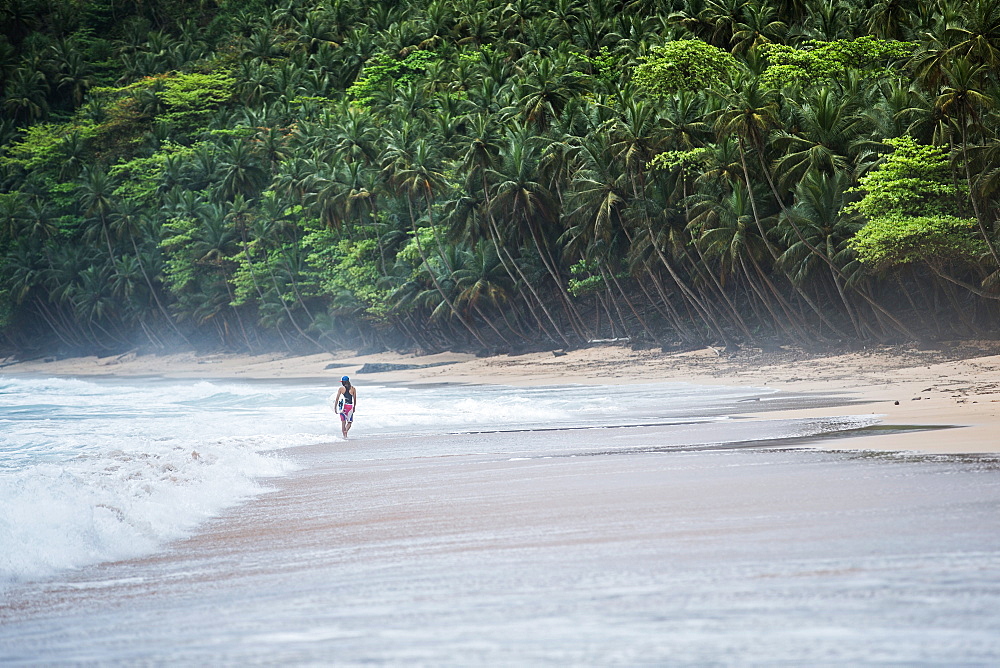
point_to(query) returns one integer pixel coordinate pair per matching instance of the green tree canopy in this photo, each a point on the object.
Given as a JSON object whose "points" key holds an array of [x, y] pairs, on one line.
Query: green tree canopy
{"points": [[912, 204], [690, 65]]}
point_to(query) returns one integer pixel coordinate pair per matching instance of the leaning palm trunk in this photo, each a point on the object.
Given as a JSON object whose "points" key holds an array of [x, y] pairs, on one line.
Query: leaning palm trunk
{"points": [[239, 320], [639, 185], [434, 231], [675, 318], [489, 323], [156, 296], [631, 306], [153, 339], [735, 316], [698, 265], [899, 326], [847, 304], [50, 320], [288, 311], [603, 303], [621, 316], [665, 313], [514, 328], [790, 323], [972, 196], [502, 250], [763, 233], [963, 284], [949, 291], [253, 278], [706, 315], [575, 320], [437, 284]]}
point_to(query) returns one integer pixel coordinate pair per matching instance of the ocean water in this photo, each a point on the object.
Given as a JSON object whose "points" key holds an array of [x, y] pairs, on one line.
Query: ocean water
{"points": [[156, 521], [94, 470], [98, 470]]}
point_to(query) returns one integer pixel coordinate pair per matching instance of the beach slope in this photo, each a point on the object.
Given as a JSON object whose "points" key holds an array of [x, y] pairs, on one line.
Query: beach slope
{"points": [[954, 384]]}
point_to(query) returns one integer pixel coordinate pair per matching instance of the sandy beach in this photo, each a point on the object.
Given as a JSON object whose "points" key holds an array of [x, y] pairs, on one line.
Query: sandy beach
{"points": [[713, 534], [686, 542], [949, 384]]}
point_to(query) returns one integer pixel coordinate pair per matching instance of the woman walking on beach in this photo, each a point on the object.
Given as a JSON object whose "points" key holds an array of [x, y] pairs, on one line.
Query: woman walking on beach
{"points": [[346, 402]]}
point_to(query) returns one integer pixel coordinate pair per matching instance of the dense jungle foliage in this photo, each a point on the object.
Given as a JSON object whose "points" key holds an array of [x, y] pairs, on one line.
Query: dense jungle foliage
{"points": [[496, 175]]}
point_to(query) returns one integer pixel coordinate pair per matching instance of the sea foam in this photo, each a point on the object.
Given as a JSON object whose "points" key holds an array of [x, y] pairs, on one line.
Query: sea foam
{"points": [[92, 472]]}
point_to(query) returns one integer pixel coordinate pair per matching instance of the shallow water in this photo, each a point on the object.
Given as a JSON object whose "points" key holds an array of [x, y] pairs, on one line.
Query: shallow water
{"points": [[699, 539], [98, 470]]}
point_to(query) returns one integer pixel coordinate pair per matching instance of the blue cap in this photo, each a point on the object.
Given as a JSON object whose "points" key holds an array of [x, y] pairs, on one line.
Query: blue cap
{"points": [[344, 378]]}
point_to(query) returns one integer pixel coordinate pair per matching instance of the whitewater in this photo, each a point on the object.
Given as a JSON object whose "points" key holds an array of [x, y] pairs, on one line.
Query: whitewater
{"points": [[98, 470]]}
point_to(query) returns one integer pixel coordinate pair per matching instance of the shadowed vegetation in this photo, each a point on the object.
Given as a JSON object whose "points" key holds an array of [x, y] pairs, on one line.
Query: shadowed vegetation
{"points": [[498, 177]]}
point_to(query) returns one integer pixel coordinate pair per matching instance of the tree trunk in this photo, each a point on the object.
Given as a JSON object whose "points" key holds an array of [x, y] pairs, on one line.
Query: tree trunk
{"points": [[437, 285]]}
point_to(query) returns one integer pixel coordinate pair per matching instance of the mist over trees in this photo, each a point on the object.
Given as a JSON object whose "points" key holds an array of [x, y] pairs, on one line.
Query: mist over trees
{"points": [[467, 174]]}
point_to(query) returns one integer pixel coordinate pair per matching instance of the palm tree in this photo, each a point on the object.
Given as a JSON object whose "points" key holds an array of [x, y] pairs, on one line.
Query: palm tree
{"points": [[566, 14], [414, 168], [96, 306], [828, 127], [12, 211], [74, 153], [601, 194], [479, 285], [750, 115], [819, 213], [241, 171], [261, 45], [410, 169], [315, 31], [724, 16], [725, 231], [96, 192], [20, 17], [961, 101], [272, 145], [128, 221], [760, 25], [545, 91], [355, 137], [527, 205], [480, 158], [25, 95], [74, 75], [517, 15], [22, 269], [344, 195], [694, 18], [889, 19], [977, 37], [829, 20]]}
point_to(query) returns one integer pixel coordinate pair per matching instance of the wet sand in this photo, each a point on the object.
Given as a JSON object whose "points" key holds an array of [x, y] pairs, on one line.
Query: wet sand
{"points": [[564, 547], [695, 543], [685, 543]]}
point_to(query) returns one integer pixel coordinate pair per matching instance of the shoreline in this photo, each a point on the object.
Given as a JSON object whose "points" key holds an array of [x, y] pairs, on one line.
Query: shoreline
{"points": [[369, 558], [367, 549], [954, 385]]}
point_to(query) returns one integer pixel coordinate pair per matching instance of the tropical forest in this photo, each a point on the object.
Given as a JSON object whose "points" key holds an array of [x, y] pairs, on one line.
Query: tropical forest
{"points": [[494, 177]]}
